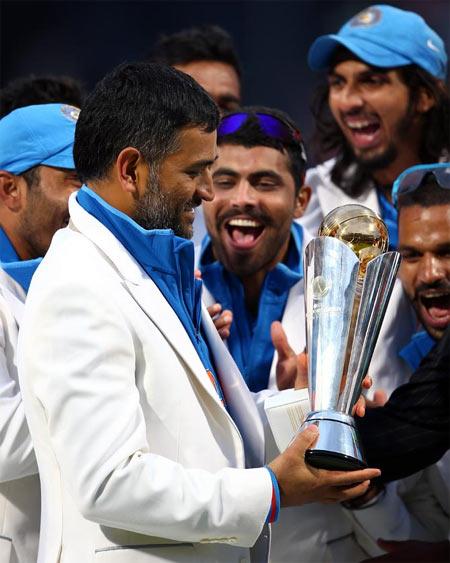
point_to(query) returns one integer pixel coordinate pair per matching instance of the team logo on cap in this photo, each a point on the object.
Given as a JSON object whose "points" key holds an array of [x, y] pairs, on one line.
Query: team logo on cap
{"points": [[71, 112], [366, 18]]}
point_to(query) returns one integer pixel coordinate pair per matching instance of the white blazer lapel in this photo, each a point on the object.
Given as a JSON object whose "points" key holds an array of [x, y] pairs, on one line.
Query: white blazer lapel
{"points": [[155, 306], [239, 399], [143, 290]]}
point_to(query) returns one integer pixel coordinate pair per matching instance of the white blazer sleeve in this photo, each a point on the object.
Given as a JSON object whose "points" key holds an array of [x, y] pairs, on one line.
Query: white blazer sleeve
{"points": [[17, 458], [81, 365]]}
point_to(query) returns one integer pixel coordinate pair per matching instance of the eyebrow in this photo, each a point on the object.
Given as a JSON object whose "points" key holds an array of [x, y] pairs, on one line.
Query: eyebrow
{"points": [[202, 163], [442, 247], [362, 74], [262, 173], [225, 172], [227, 98]]}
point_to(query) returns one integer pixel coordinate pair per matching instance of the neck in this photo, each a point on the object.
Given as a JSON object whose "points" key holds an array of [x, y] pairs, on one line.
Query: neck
{"points": [[408, 156], [23, 251], [253, 283], [252, 290], [112, 193]]}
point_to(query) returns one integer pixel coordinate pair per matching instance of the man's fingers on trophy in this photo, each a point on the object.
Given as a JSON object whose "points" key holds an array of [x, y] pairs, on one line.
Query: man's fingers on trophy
{"points": [[350, 493], [345, 479], [367, 382], [360, 407], [379, 399], [302, 441], [305, 439]]}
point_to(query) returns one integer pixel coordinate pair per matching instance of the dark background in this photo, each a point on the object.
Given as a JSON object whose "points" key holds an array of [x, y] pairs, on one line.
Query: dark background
{"points": [[85, 39]]}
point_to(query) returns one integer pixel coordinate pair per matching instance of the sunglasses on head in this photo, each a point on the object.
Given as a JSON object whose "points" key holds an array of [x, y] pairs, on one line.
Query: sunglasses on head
{"points": [[411, 178], [272, 126]]}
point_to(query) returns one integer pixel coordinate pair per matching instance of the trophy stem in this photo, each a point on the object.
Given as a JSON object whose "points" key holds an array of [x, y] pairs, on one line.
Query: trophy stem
{"points": [[351, 332], [338, 446]]}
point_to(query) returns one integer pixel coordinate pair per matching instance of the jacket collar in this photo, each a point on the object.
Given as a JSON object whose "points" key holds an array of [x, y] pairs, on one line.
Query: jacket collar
{"points": [[144, 292]]}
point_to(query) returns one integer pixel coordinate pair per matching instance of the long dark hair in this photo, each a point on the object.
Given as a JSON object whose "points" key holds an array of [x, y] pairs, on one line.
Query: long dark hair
{"points": [[328, 140]]}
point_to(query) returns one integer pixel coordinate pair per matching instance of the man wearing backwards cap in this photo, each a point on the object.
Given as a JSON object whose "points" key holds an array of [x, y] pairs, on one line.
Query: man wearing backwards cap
{"points": [[36, 178]]}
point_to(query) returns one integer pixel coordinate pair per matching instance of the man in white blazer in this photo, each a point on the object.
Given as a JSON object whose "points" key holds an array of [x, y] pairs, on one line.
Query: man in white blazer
{"points": [[251, 263], [36, 179], [142, 425]]}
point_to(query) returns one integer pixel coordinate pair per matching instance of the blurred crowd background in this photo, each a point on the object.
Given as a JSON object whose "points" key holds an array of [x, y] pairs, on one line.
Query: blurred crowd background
{"points": [[85, 39]]}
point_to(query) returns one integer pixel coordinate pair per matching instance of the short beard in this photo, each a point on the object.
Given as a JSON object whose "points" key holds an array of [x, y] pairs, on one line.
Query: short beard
{"points": [[385, 159], [157, 210], [379, 161]]}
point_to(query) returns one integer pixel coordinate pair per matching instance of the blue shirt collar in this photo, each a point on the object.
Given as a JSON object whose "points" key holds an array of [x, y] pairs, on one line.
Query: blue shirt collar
{"points": [[167, 259], [389, 214], [7, 250], [21, 271], [249, 342], [417, 348]]}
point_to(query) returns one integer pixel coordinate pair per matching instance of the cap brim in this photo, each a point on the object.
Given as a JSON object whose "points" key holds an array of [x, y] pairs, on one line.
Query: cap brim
{"points": [[64, 159], [321, 51]]}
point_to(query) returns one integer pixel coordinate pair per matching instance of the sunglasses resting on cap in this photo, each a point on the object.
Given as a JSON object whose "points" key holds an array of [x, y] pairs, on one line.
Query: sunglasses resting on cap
{"points": [[272, 126], [412, 178]]}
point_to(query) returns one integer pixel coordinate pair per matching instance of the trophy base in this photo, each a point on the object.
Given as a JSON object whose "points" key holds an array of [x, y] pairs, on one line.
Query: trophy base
{"points": [[338, 446]]}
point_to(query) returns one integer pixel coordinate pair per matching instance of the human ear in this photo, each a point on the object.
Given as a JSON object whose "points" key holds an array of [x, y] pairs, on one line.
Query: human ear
{"points": [[425, 101], [127, 167], [301, 201], [11, 191]]}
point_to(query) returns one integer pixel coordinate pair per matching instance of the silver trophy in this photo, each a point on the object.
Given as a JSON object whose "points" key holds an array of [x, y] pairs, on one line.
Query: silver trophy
{"points": [[349, 277]]}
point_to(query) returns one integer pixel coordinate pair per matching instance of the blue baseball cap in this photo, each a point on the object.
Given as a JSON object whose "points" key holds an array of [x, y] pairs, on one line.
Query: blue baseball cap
{"points": [[35, 135], [385, 36]]}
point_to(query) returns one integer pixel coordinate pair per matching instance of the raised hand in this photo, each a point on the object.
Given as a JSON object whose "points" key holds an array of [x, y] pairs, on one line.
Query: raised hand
{"points": [[291, 370]]}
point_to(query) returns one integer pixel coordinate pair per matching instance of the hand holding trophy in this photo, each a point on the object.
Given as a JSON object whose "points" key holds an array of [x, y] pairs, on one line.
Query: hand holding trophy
{"points": [[349, 277]]}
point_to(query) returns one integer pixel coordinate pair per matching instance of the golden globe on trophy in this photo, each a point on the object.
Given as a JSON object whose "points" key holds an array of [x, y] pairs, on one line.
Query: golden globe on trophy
{"points": [[349, 277]]}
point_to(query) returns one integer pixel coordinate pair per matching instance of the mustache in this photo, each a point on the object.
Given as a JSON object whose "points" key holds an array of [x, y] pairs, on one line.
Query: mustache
{"points": [[440, 285], [194, 202], [252, 213]]}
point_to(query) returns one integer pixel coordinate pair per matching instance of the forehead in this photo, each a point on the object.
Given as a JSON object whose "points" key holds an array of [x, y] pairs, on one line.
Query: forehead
{"points": [[357, 66], [194, 144], [214, 76], [424, 226], [247, 161]]}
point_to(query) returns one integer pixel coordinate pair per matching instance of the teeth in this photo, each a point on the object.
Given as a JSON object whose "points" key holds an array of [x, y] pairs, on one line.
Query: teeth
{"points": [[243, 223], [434, 295], [360, 125]]}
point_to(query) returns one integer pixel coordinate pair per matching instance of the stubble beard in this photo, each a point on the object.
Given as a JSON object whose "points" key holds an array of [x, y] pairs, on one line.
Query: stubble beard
{"points": [[34, 223], [390, 154], [157, 210]]}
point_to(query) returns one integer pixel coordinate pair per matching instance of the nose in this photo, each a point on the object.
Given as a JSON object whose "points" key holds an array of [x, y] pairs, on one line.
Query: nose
{"points": [[431, 269], [349, 98], [243, 195], [205, 186]]}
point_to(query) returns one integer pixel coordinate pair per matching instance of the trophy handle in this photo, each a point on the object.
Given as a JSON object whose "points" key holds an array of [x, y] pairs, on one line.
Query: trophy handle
{"points": [[377, 288]]}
